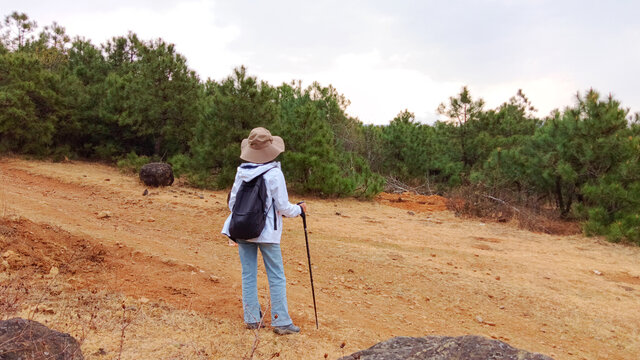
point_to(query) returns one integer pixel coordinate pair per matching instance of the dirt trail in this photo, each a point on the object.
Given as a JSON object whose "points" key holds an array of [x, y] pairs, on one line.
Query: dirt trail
{"points": [[380, 271]]}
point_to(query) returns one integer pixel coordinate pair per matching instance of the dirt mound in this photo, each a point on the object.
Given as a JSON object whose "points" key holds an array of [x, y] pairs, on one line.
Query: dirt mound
{"points": [[40, 250], [414, 202]]}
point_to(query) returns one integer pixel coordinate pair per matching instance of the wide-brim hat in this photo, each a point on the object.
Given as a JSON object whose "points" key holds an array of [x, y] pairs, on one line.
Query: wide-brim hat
{"points": [[261, 147]]}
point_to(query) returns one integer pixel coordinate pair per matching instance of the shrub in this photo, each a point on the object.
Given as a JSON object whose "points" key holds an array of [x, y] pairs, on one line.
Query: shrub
{"points": [[132, 163]]}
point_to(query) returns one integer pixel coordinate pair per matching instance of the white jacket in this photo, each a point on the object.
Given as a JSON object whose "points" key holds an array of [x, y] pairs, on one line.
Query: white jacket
{"points": [[276, 190]]}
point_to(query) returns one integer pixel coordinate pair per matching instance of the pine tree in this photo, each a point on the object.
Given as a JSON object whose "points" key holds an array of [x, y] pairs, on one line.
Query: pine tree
{"points": [[464, 113], [233, 107], [29, 104], [319, 139], [18, 31], [152, 96], [577, 146]]}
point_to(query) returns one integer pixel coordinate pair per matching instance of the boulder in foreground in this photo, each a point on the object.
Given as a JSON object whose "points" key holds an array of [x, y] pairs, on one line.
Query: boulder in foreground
{"points": [[28, 339], [468, 347], [156, 174]]}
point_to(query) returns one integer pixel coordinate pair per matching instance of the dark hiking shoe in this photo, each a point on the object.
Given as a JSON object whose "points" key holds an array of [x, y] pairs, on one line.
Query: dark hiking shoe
{"points": [[285, 330], [253, 326]]}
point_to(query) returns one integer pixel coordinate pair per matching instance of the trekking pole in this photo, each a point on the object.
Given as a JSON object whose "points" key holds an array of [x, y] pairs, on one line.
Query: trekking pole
{"points": [[306, 239]]}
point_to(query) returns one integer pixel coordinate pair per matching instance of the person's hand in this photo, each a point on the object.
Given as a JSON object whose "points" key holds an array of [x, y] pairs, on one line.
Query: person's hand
{"points": [[232, 243], [303, 205]]}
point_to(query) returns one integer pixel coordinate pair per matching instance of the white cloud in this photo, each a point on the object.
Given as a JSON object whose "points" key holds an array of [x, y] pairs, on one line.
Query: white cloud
{"points": [[189, 25], [377, 88]]}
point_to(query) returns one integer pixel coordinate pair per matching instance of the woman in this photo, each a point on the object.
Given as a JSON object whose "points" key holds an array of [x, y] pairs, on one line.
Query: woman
{"points": [[259, 151]]}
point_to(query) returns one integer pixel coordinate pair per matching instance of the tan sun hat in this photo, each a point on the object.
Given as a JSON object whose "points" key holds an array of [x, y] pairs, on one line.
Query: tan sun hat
{"points": [[261, 147]]}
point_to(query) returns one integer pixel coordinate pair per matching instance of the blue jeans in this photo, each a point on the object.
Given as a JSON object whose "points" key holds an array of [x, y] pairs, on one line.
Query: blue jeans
{"points": [[272, 257]]}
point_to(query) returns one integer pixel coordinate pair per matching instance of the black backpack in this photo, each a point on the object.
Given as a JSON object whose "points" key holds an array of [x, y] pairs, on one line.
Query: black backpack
{"points": [[249, 213]]}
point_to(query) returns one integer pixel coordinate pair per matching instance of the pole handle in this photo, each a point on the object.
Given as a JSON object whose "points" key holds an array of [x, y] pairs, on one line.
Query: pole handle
{"points": [[302, 213]]}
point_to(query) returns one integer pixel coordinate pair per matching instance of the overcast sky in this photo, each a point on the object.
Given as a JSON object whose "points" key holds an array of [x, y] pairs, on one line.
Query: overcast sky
{"points": [[387, 56]]}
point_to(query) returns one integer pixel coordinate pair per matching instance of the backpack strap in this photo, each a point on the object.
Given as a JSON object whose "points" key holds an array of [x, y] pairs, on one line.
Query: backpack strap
{"points": [[266, 171], [273, 203]]}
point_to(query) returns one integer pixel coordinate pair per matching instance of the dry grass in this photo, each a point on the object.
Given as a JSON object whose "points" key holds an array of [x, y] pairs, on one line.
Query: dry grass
{"points": [[527, 213], [154, 330]]}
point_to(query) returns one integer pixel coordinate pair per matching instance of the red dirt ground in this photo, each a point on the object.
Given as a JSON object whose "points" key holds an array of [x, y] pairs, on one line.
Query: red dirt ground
{"points": [[414, 202]]}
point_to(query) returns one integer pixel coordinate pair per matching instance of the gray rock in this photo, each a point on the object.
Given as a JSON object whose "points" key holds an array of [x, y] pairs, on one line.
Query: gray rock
{"points": [[156, 174], [467, 347], [28, 339]]}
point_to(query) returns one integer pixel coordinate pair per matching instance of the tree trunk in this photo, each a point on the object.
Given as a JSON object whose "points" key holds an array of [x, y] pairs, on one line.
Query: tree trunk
{"points": [[158, 146], [559, 200]]}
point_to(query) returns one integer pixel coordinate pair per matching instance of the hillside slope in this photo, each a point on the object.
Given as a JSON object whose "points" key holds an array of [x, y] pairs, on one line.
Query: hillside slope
{"points": [[379, 272]]}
